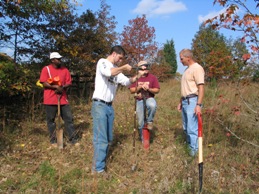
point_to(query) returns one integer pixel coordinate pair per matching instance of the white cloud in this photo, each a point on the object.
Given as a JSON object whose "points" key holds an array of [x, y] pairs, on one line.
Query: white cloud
{"points": [[158, 7], [210, 15]]}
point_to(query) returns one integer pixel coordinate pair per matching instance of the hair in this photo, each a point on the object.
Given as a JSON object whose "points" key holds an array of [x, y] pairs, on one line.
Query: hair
{"points": [[118, 49], [187, 53]]}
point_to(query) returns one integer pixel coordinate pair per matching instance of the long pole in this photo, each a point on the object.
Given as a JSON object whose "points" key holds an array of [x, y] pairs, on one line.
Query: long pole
{"points": [[200, 165], [135, 122], [135, 113], [133, 168]]}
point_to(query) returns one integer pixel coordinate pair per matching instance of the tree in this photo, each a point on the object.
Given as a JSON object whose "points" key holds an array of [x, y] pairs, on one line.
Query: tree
{"points": [[27, 26], [211, 51], [13, 79], [170, 55], [139, 40], [240, 65], [92, 37], [244, 21], [106, 28]]}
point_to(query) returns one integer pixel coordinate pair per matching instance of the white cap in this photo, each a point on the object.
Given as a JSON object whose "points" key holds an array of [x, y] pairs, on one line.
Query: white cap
{"points": [[55, 55]]}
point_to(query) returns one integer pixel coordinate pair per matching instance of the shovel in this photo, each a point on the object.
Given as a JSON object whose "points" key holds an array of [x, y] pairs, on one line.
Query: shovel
{"points": [[59, 131], [145, 131], [200, 165]]}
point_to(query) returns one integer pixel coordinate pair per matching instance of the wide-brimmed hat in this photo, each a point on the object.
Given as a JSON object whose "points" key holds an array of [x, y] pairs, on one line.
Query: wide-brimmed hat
{"points": [[55, 55]]}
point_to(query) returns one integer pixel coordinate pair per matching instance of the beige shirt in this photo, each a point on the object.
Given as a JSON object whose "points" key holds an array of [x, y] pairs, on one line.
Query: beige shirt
{"points": [[192, 77]]}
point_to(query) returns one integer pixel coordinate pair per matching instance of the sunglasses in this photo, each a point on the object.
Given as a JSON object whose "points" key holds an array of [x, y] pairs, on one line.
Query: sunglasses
{"points": [[145, 65]]}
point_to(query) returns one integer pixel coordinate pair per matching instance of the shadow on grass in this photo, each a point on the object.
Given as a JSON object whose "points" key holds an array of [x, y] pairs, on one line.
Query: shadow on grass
{"points": [[82, 128], [179, 135], [39, 131]]}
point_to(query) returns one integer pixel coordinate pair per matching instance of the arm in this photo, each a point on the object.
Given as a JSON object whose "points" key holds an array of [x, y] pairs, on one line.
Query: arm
{"points": [[135, 89], [200, 98], [179, 107], [153, 90], [116, 70], [57, 88]]}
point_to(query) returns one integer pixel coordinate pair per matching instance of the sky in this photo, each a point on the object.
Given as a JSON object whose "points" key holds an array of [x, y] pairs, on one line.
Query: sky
{"points": [[176, 20]]}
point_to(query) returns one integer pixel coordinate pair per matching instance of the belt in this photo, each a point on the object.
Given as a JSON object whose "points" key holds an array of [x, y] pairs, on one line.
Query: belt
{"points": [[189, 96], [102, 101]]}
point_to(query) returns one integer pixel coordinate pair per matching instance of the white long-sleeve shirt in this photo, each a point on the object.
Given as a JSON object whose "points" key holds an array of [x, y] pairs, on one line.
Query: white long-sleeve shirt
{"points": [[105, 84]]}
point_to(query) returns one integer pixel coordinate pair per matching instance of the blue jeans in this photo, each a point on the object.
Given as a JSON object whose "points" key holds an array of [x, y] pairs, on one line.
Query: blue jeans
{"points": [[190, 124], [151, 111], [103, 117], [66, 115]]}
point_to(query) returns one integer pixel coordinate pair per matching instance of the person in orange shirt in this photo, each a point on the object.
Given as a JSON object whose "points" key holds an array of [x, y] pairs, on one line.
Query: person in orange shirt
{"points": [[192, 92]]}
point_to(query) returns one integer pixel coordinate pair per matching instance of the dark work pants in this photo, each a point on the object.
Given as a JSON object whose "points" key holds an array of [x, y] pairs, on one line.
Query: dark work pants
{"points": [[66, 115]]}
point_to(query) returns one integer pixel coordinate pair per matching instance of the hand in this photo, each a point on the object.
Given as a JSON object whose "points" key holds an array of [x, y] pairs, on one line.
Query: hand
{"points": [[197, 110], [59, 90], [127, 67], [145, 86], [140, 73], [139, 95], [179, 107]]}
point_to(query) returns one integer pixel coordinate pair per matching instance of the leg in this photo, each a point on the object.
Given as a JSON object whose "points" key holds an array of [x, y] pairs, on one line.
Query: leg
{"points": [[184, 120], [67, 116], [110, 123], [51, 111], [110, 126], [100, 135], [151, 108], [192, 126]]}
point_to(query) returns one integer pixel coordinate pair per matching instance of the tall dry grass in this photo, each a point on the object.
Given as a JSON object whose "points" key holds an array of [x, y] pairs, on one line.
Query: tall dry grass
{"points": [[231, 138]]}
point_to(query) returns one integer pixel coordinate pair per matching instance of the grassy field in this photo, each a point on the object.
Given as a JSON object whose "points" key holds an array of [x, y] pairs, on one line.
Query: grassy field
{"points": [[230, 149]]}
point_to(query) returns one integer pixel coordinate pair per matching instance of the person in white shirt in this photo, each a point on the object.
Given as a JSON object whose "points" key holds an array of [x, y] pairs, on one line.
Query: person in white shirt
{"points": [[108, 76]]}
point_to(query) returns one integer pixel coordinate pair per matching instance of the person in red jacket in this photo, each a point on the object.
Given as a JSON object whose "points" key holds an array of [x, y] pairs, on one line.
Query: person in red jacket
{"points": [[56, 79]]}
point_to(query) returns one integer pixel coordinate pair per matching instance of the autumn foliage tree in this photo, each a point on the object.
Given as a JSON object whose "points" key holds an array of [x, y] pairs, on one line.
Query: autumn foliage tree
{"points": [[32, 31], [211, 51], [240, 56], [139, 40], [241, 16], [92, 37], [231, 19]]}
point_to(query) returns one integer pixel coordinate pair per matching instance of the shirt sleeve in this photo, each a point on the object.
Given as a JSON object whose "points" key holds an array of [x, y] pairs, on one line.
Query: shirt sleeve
{"points": [[44, 75], [156, 83], [123, 80], [68, 78], [104, 68], [133, 85], [199, 75]]}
